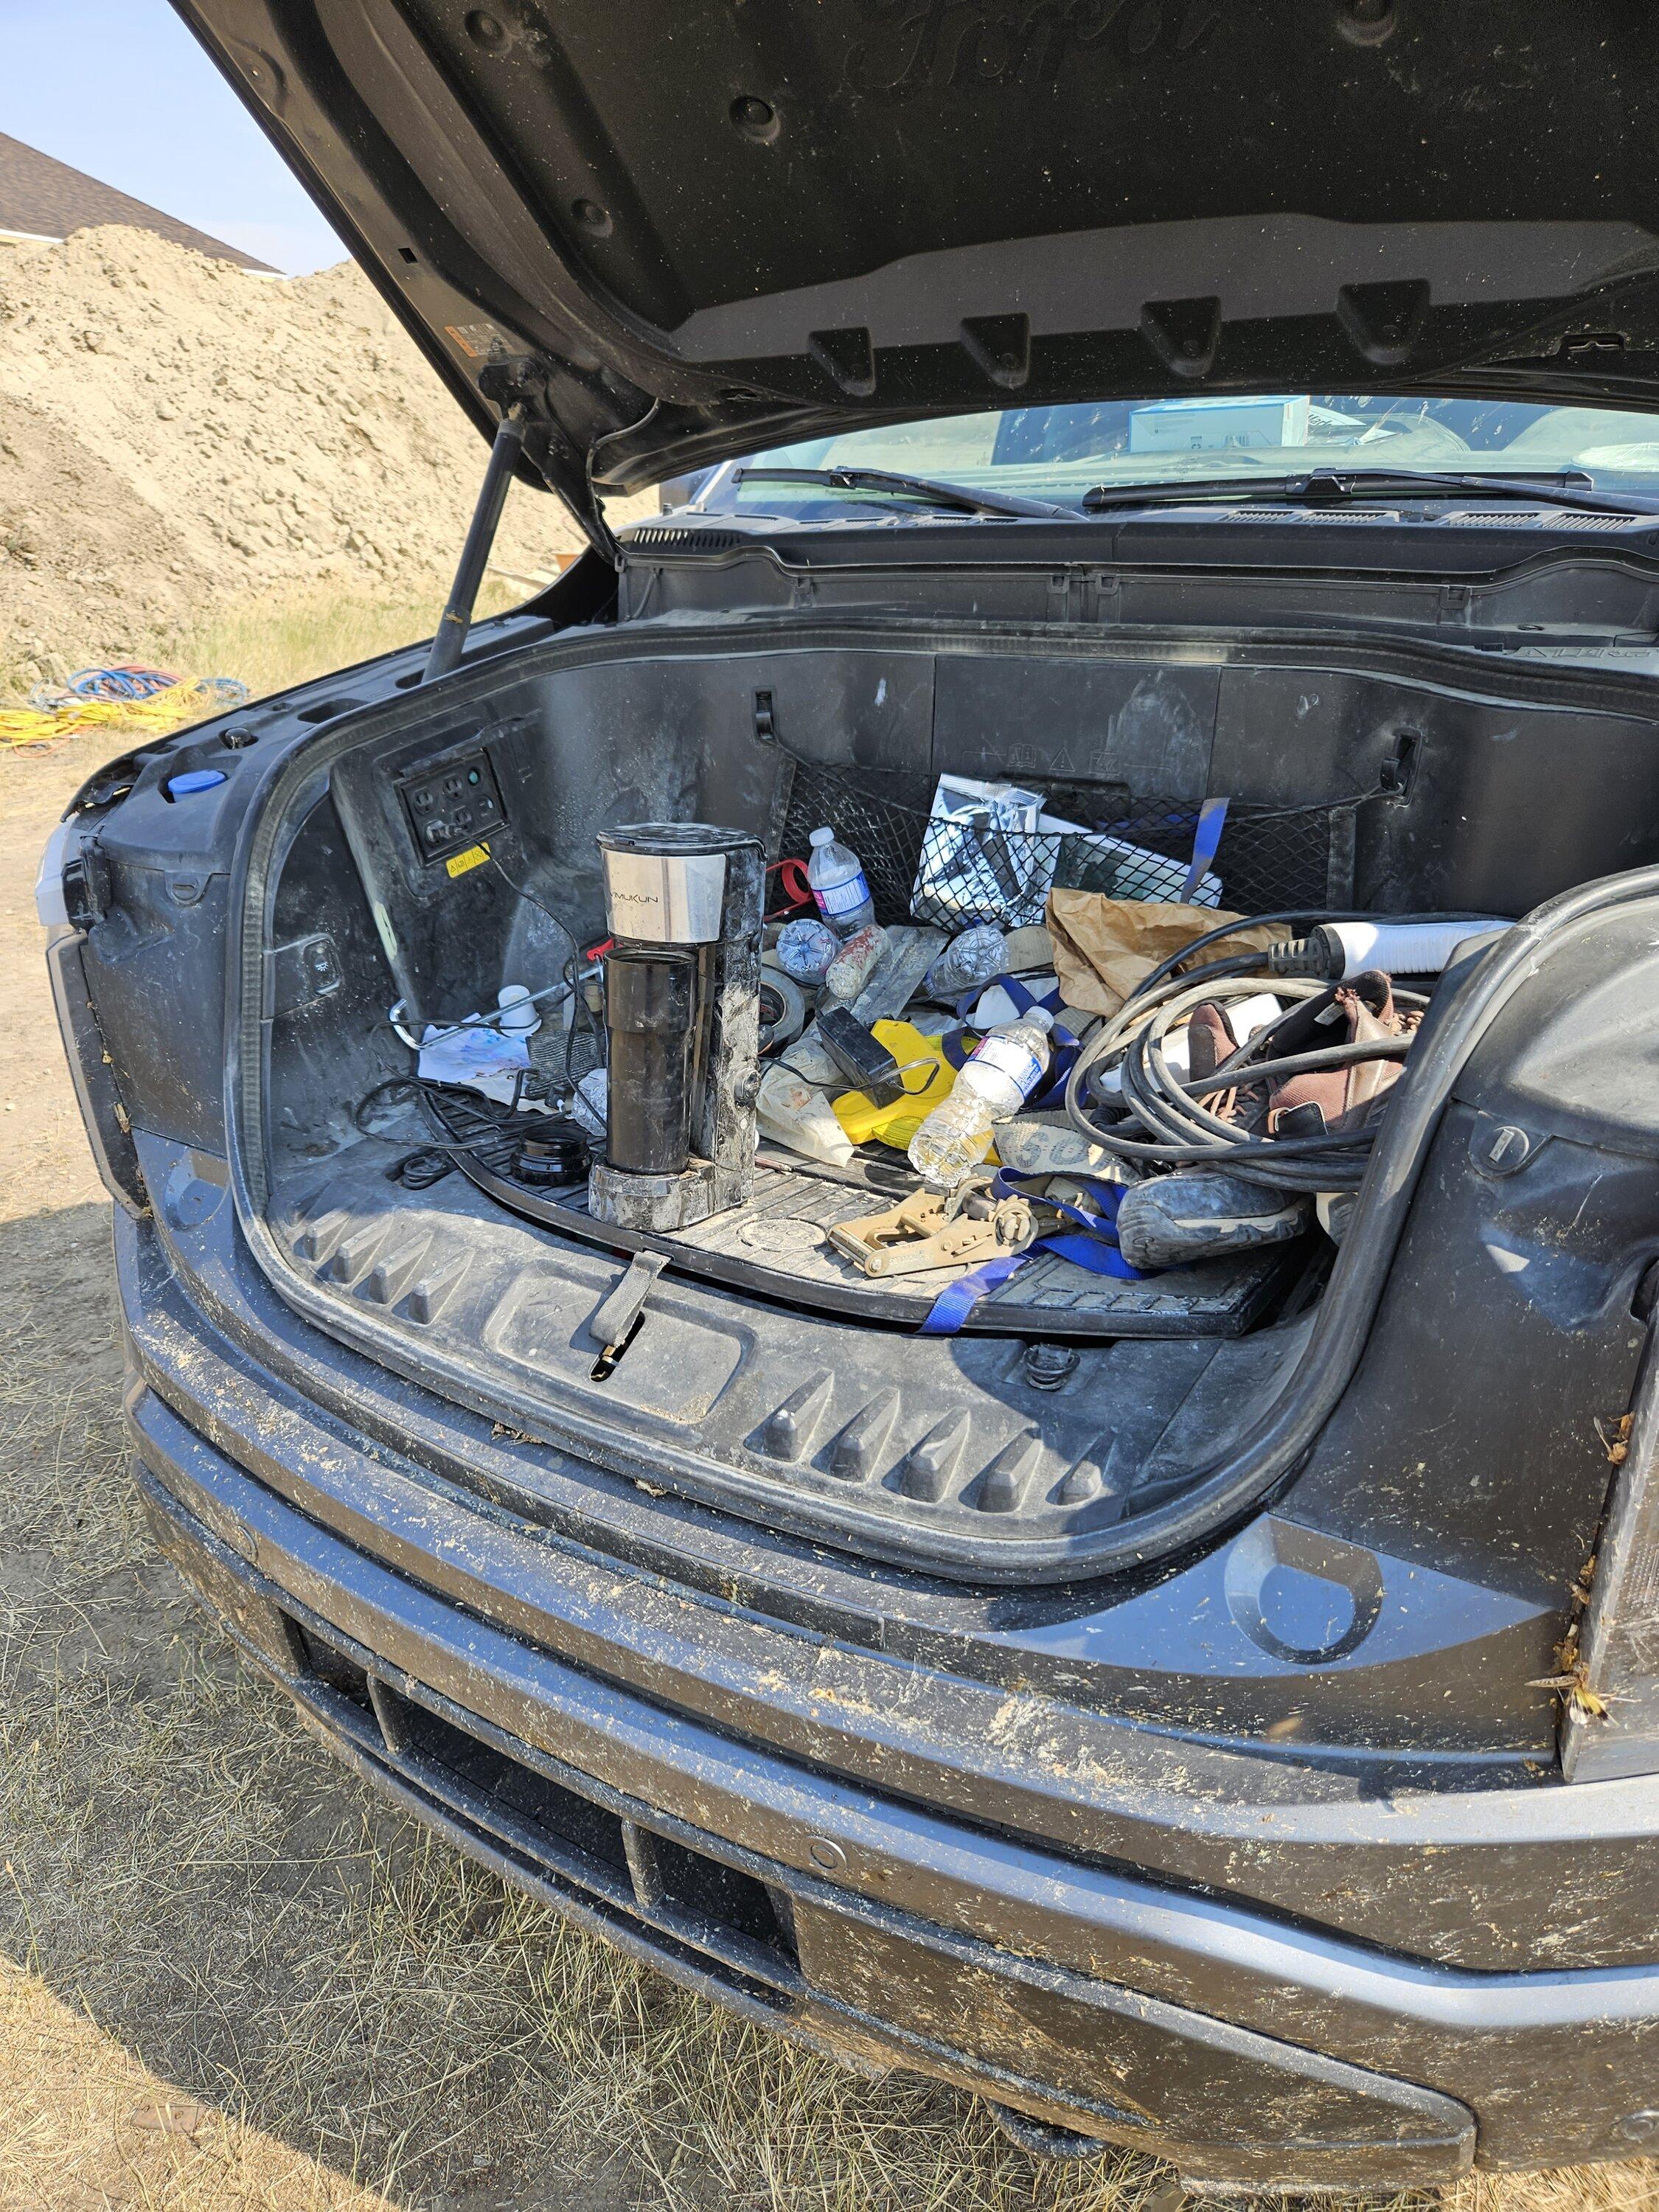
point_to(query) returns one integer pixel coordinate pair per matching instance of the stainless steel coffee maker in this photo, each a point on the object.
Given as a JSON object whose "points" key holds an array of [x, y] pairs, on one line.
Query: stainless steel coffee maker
{"points": [[682, 995]]}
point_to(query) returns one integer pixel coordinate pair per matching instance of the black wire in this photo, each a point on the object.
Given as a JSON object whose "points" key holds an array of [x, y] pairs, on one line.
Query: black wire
{"points": [[1177, 1129], [558, 922], [504, 1118], [1296, 1162], [398, 1089], [420, 1170], [1234, 1075], [1182, 1112], [580, 1009]]}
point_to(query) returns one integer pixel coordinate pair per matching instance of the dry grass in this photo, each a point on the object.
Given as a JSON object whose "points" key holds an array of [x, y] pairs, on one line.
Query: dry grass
{"points": [[232, 1979], [202, 1907], [287, 637], [274, 639]]}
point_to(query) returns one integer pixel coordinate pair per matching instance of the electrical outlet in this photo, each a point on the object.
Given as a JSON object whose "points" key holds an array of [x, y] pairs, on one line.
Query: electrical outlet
{"points": [[452, 803]]}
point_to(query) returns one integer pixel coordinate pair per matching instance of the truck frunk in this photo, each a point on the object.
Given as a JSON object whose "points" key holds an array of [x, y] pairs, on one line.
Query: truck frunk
{"points": [[1017, 1439]]}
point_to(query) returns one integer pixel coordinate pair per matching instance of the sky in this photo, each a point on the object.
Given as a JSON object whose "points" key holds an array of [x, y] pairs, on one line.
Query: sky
{"points": [[121, 89]]}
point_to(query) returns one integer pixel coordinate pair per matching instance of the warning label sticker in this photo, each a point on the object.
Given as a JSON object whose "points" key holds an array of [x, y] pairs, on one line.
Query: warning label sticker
{"points": [[479, 341], [474, 857]]}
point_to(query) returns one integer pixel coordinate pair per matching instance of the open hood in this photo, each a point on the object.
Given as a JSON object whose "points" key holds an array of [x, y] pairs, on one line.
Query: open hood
{"points": [[676, 230]]}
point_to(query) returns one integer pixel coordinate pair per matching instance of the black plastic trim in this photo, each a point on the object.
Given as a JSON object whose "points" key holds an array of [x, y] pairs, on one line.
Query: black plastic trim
{"points": [[109, 1131]]}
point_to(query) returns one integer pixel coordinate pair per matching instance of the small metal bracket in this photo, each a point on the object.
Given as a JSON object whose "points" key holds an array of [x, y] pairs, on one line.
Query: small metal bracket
{"points": [[300, 972]]}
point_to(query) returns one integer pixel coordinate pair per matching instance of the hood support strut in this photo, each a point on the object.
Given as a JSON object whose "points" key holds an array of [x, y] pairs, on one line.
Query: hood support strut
{"points": [[456, 617]]}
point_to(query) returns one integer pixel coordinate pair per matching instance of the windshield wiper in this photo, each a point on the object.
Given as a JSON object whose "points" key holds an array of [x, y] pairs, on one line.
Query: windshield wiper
{"points": [[955, 498], [1336, 487]]}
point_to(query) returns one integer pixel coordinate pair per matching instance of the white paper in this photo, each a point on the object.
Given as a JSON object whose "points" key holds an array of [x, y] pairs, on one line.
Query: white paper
{"points": [[474, 1056]]}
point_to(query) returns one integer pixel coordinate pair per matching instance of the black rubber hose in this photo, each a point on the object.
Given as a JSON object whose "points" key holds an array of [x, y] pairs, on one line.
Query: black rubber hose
{"points": [[1180, 1132], [1176, 1150], [1188, 1120], [1232, 1074]]}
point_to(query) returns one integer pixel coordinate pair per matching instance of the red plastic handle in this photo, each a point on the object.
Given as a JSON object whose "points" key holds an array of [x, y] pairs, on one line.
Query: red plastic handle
{"points": [[792, 880]]}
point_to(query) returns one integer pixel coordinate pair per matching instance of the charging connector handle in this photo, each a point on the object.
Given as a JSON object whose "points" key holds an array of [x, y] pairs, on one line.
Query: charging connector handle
{"points": [[1337, 951]]}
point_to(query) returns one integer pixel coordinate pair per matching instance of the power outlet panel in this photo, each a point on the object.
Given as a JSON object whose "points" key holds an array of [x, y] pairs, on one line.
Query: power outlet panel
{"points": [[451, 803]]}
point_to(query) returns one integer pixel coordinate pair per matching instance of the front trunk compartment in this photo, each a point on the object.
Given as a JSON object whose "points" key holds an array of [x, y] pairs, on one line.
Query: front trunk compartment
{"points": [[1373, 775]]}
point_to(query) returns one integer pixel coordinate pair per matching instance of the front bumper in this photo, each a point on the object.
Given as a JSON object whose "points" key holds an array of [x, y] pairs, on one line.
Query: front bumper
{"points": [[1245, 2046], [794, 1952]]}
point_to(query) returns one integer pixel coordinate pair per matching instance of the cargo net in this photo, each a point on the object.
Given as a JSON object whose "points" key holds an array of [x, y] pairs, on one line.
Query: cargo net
{"points": [[973, 867]]}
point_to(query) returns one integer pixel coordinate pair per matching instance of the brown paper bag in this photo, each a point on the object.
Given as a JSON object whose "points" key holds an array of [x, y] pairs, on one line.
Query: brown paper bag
{"points": [[1104, 947]]}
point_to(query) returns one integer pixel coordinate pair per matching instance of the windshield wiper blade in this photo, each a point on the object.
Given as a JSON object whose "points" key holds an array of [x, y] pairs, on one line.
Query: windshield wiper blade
{"points": [[1336, 487], [928, 491]]}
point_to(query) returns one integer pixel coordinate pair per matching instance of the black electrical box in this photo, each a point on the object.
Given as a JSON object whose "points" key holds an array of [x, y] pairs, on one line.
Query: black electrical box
{"points": [[452, 803]]}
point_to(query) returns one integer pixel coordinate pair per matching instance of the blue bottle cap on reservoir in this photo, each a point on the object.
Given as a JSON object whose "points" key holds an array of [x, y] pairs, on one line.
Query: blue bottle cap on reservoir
{"points": [[194, 778]]}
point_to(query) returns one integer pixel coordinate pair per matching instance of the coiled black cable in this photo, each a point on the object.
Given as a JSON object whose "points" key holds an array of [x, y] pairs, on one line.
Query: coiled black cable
{"points": [[1165, 1122]]}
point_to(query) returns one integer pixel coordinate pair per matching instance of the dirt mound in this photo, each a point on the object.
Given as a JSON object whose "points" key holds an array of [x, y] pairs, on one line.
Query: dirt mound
{"points": [[174, 430]]}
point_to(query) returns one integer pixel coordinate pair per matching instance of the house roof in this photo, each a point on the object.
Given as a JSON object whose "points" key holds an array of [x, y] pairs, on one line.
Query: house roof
{"points": [[44, 198]]}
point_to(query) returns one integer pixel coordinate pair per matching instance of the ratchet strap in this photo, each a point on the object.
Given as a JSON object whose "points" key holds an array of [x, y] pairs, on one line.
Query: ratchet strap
{"points": [[1092, 1244]]}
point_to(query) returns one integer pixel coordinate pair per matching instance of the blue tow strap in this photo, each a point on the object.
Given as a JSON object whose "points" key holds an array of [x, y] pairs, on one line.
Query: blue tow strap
{"points": [[1093, 1245]]}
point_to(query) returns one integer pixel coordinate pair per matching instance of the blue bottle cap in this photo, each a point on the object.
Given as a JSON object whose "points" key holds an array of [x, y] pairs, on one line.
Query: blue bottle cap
{"points": [[194, 778]]}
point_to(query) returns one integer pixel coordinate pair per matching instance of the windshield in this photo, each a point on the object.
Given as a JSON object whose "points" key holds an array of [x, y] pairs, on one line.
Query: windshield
{"points": [[1061, 452]]}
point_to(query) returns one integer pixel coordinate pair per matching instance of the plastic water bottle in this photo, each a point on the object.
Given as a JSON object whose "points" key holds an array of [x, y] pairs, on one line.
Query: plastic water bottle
{"points": [[966, 961], [805, 950], [836, 876], [1005, 1069]]}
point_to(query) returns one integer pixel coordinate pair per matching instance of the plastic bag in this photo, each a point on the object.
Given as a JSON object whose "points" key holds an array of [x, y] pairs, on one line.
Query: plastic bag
{"points": [[983, 858]]}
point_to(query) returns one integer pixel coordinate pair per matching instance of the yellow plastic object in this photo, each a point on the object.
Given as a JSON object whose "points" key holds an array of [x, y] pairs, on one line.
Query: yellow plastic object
{"points": [[865, 1121]]}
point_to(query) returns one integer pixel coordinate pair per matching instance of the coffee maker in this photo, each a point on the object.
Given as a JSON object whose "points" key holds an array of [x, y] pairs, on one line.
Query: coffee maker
{"points": [[683, 901]]}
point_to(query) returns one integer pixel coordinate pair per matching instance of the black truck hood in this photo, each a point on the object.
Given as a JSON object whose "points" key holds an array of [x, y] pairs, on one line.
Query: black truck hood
{"points": [[682, 229]]}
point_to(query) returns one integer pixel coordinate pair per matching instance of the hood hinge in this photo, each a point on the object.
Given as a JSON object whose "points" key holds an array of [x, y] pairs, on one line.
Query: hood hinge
{"points": [[518, 384]]}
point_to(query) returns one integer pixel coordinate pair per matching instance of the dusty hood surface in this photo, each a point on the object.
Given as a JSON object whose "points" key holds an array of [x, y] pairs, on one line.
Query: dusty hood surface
{"points": [[682, 229]]}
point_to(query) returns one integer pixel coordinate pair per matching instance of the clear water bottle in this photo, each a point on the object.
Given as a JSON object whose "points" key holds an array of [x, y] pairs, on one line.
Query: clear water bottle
{"points": [[967, 961], [1005, 1069], [836, 876], [806, 950]]}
